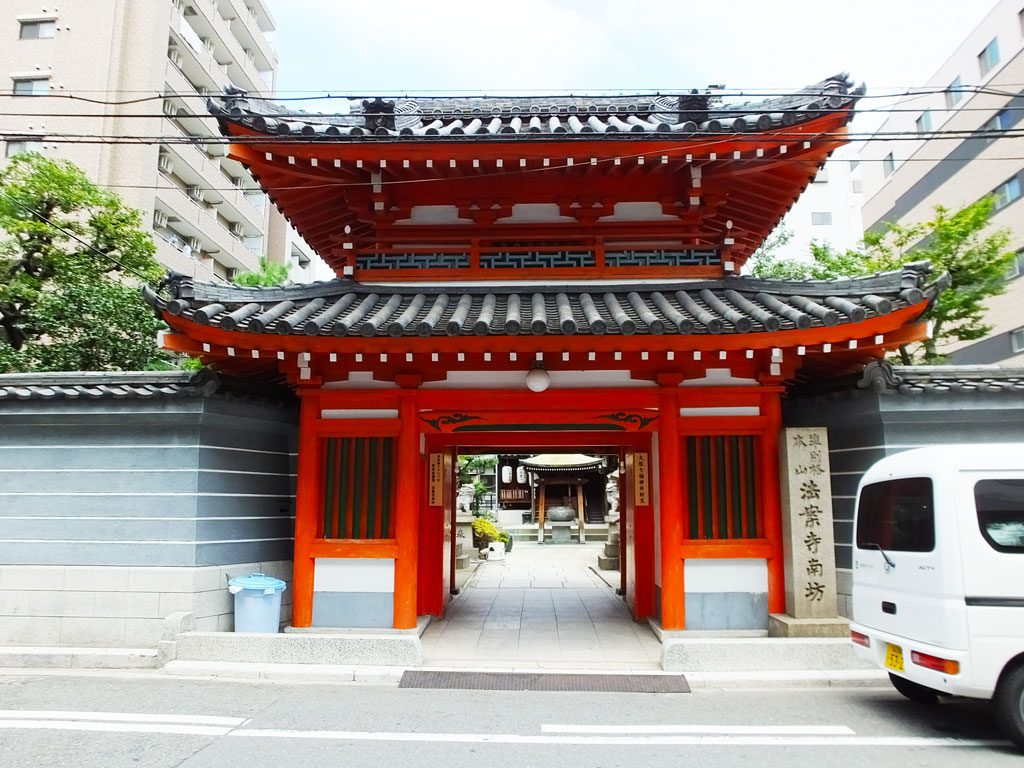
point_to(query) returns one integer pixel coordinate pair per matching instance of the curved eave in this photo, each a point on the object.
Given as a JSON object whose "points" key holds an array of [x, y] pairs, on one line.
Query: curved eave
{"points": [[750, 179]]}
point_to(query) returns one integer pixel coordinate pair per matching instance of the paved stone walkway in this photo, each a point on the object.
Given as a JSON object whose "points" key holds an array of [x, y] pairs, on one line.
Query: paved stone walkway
{"points": [[541, 607]]}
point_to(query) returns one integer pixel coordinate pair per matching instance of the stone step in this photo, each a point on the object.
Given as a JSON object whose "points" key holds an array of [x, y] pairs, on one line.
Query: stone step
{"points": [[611, 550], [461, 562], [309, 646], [607, 563], [596, 532]]}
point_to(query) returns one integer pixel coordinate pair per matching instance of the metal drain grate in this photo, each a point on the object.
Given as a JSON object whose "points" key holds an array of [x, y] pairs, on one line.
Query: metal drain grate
{"points": [[544, 681]]}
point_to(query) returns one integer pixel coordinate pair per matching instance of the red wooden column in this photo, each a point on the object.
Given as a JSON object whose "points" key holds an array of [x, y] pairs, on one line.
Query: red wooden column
{"points": [[307, 508], [407, 511], [771, 409], [670, 470]]}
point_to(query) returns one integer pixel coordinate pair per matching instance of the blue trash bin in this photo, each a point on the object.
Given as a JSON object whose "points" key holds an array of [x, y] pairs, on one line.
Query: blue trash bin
{"points": [[257, 602]]}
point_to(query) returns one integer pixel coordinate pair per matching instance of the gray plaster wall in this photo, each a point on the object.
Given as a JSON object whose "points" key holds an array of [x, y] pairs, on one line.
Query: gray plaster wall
{"points": [[173, 481], [865, 426]]}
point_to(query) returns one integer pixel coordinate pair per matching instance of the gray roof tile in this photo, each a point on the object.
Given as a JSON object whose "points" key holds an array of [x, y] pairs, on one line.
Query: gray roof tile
{"points": [[495, 118], [105, 384], [725, 306]]}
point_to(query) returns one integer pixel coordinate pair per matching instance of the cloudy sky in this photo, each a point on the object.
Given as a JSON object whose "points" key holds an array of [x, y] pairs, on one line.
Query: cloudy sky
{"points": [[486, 46]]}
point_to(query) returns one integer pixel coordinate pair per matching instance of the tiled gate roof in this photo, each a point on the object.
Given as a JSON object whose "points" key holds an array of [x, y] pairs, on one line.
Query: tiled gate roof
{"points": [[726, 306]]}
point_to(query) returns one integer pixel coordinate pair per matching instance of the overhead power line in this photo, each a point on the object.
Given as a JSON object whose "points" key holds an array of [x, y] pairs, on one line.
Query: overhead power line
{"points": [[843, 135], [523, 94]]}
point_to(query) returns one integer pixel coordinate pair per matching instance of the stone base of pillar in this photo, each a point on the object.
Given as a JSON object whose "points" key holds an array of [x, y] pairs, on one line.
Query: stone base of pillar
{"points": [[784, 625]]}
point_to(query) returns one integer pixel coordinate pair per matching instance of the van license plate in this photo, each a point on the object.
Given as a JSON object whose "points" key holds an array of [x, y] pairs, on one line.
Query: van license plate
{"points": [[894, 657]]}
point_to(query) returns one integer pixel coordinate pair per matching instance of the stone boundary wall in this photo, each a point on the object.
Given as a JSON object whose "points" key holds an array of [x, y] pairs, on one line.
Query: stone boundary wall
{"points": [[125, 498], [908, 408], [119, 606]]}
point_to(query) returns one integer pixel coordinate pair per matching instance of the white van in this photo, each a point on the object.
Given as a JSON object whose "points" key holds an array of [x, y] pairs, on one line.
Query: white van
{"points": [[938, 575]]}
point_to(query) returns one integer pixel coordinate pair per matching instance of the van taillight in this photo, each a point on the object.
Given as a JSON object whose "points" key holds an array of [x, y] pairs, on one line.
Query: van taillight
{"points": [[947, 666], [860, 639]]}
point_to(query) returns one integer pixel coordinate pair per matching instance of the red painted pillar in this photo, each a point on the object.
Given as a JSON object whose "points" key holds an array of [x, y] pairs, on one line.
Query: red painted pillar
{"points": [[771, 409], [307, 506], [407, 511], [670, 470]]}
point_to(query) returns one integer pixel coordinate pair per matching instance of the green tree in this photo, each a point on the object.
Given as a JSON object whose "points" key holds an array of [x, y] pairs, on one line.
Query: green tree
{"points": [[270, 273], [71, 258], [955, 243]]}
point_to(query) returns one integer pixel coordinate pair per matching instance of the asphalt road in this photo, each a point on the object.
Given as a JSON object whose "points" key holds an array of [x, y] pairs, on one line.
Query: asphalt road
{"points": [[88, 722]]}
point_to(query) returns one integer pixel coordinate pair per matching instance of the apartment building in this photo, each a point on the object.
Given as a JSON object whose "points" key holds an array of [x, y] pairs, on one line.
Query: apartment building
{"points": [[828, 210], [141, 71], [904, 179]]}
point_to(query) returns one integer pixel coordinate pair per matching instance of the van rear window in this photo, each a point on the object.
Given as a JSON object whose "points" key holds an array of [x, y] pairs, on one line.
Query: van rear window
{"points": [[897, 515], [1000, 505]]}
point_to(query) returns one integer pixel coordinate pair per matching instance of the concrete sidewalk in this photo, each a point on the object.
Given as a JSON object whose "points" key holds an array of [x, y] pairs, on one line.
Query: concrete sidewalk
{"points": [[542, 607]]}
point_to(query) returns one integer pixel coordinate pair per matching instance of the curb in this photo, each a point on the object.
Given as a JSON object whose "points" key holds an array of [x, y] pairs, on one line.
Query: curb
{"points": [[334, 674]]}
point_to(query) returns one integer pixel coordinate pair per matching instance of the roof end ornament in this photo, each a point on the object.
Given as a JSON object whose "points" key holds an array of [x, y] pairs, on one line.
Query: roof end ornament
{"points": [[879, 376], [379, 114]]}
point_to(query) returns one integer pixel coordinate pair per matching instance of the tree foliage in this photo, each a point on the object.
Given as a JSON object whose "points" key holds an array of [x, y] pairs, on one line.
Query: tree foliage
{"points": [[71, 258], [270, 273], [955, 243]]}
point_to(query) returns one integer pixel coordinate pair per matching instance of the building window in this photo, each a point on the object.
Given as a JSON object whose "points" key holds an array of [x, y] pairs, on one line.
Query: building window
{"points": [[821, 217], [722, 476], [953, 93], [1016, 268], [989, 57], [1017, 340], [924, 122], [18, 146], [44, 29], [1000, 121], [31, 86], [856, 186], [1006, 193], [360, 478], [888, 165]]}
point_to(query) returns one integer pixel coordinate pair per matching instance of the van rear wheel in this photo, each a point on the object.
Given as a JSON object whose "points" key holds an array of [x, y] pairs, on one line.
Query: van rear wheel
{"points": [[916, 692], [1008, 705]]}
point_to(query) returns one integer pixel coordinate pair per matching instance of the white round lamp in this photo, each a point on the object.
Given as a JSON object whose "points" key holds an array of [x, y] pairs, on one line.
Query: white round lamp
{"points": [[537, 379]]}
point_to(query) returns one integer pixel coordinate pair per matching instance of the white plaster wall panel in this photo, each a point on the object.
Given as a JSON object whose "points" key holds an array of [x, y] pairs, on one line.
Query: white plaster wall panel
{"points": [[726, 575], [359, 413], [734, 410], [496, 379], [354, 575]]}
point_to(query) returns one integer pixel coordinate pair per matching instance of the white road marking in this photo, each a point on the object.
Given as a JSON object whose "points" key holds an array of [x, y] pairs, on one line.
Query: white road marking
{"points": [[736, 730], [510, 738], [71, 725], [123, 717], [656, 735]]}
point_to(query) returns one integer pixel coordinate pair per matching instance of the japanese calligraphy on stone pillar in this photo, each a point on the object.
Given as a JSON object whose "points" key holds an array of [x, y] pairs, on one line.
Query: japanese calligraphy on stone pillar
{"points": [[808, 539]]}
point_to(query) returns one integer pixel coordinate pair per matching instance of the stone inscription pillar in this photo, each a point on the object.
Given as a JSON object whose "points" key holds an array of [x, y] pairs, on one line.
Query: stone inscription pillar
{"points": [[807, 536]]}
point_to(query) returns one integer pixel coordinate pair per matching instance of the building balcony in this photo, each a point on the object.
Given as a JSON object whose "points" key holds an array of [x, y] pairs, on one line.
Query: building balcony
{"points": [[208, 32], [249, 32], [198, 64], [188, 217], [192, 107], [195, 168]]}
